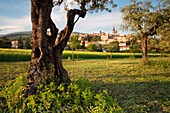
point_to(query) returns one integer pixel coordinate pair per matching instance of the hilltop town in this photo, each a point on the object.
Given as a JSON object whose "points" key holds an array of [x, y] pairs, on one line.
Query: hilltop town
{"points": [[22, 40], [106, 38]]}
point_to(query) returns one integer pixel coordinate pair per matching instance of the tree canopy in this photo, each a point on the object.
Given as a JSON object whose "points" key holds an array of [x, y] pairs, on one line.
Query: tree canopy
{"points": [[74, 44], [146, 18], [112, 47], [88, 5]]}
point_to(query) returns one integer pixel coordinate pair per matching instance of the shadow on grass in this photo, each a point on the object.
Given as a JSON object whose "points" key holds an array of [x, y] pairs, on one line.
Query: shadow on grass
{"points": [[134, 76], [134, 97]]}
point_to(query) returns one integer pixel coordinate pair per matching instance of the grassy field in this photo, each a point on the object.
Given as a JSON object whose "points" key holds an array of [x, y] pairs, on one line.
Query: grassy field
{"points": [[138, 88], [9, 55]]}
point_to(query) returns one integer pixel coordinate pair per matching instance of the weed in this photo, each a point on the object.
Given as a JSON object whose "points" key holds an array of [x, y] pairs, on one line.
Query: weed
{"points": [[52, 98]]}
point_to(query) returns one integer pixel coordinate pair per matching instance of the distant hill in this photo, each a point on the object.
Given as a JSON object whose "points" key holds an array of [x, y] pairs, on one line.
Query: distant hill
{"points": [[18, 34], [79, 33], [24, 34]]}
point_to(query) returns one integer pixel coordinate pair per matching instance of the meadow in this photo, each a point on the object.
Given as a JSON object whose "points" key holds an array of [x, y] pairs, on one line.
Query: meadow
{"points": [[136, 88], [9, 55]]}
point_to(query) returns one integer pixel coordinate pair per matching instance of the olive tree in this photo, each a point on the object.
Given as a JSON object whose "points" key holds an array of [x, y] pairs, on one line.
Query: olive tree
{"points": [[47, 48], [145, 17], [112, 47], [74, 44]]}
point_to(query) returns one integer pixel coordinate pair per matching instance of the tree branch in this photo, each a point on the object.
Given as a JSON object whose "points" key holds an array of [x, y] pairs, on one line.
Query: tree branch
{"points": [[77, 19], [65, 33], [152, 30], [54, 32], [59, 2]]}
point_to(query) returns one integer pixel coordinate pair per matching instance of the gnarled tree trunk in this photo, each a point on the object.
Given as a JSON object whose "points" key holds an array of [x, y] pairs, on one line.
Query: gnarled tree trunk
{"points": [[61, 43], [46, 55]]}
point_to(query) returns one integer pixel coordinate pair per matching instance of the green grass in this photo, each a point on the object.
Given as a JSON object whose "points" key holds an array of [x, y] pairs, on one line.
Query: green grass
{"points": [[9, 55], [138, 88]]}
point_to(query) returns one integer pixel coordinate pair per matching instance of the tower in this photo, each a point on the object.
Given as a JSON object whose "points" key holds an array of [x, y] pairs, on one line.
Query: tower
{"points": [[113, 30]]}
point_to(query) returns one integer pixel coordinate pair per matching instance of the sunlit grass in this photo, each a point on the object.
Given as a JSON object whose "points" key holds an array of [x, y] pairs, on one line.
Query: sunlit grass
{"points": [[137, 87], [7, 55]]}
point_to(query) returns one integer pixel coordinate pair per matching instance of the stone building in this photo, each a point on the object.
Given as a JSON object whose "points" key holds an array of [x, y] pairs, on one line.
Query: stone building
{"points": [[114, 36], [14, 44]]}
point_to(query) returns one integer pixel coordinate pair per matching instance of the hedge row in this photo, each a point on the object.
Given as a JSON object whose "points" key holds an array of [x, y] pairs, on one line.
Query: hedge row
{"points": [[8, 55]]}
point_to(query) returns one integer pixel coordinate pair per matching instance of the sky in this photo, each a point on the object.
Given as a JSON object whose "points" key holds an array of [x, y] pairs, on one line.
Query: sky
{"points": [[15, 17]]}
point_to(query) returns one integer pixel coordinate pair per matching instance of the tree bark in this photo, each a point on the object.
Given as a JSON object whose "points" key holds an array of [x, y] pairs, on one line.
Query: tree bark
{"points": [[144, 49], [46, 55], [72, 55], [61, 43], [152, 31], [110, 55], [42, 44]]}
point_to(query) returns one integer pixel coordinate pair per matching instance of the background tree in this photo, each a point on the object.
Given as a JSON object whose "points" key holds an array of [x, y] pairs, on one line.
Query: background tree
{"points": [[28, 43], [5, 42], [74, 44], [153, 45], [99, 48], [144, 17], [133, 49], [164, 45], [20, 43], [82, 46], [47, 54], [112, 47], [92, 47], [95, 38], [88, 38], [164, 36], [134, 43]]}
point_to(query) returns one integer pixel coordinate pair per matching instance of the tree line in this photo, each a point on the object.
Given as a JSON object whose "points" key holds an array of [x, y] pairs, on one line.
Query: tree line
{"points": [[75, 43], [155, 44], [23, 43]]}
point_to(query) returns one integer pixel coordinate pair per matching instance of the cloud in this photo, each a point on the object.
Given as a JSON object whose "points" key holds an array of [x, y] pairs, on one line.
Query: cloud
{"points": [[91, 23], [9, 25], [23, 21], [95, 22], [14, 16], [10, 29]]}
